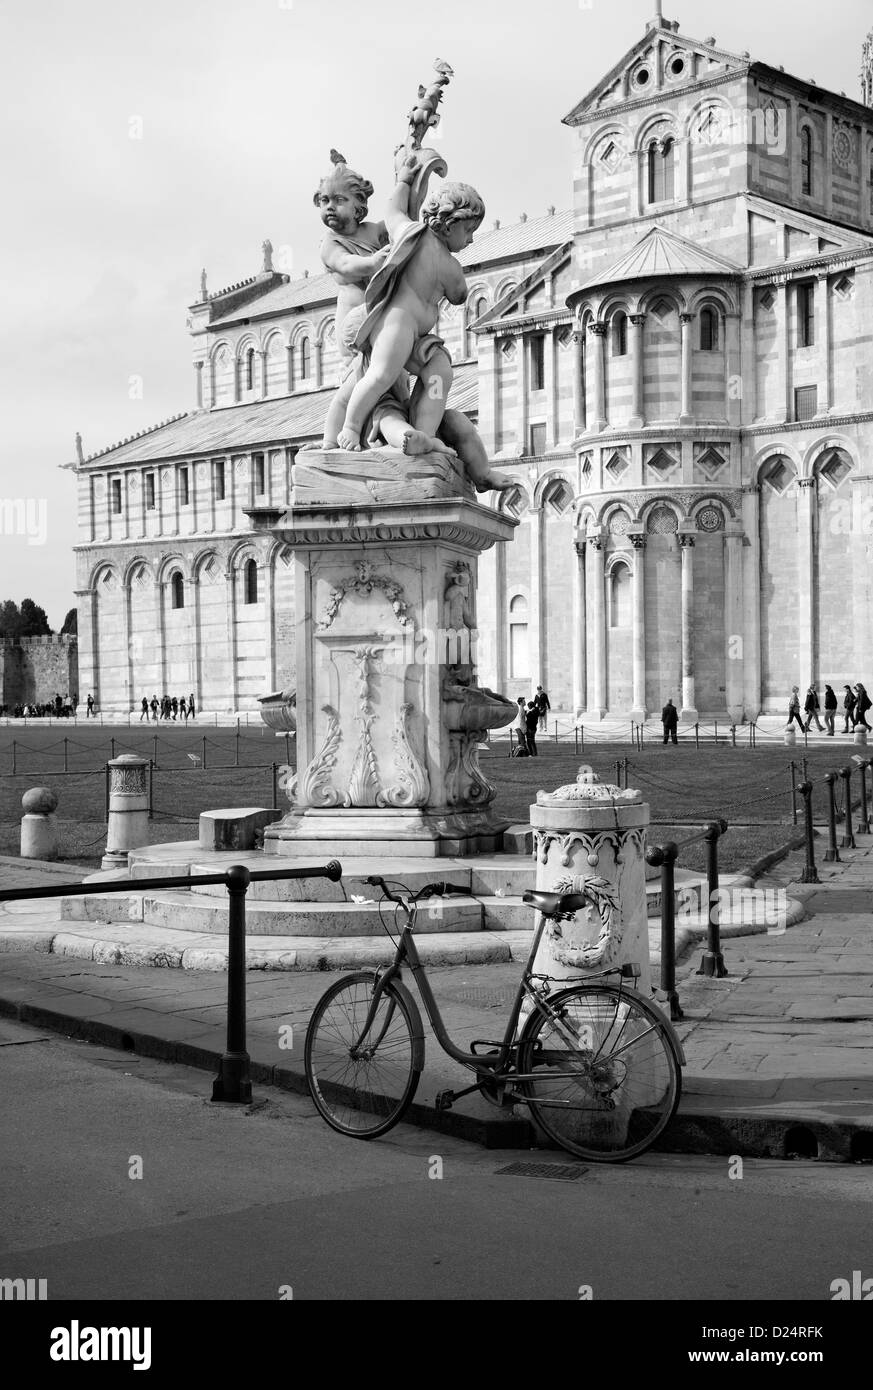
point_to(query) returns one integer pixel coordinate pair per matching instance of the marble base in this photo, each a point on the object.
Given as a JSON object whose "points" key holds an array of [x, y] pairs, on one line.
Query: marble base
{"points": [[413, 833]]}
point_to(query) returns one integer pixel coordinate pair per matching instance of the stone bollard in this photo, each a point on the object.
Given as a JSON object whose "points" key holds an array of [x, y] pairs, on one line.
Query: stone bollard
{"points": [[39, 835], [861, 738], [128, 826], [790, 736], [591, 837]]}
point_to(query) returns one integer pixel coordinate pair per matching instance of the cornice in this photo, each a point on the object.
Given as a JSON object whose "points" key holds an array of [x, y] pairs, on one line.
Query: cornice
{"points": [[659, 98]]}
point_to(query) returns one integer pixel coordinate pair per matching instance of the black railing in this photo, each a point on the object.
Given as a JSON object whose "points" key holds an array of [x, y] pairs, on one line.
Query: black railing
{"points": [[233, 1082], [664, 857]]}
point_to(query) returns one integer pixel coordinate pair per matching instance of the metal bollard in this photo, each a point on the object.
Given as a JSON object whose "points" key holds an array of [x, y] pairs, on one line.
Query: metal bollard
{"points": [[733, 735], [697, 735], [810, 872], [831, 854], [864, 823], [793, 766], [233, 1083], [664, 856], [848, 840], [712, 960]]}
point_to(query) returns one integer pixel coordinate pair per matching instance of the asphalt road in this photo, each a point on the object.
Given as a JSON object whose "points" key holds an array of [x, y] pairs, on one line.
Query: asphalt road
{"points": [[269, 1203]]}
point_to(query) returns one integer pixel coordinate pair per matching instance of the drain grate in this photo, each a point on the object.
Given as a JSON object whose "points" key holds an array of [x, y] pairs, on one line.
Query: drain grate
{"points": [[562, 1172]]}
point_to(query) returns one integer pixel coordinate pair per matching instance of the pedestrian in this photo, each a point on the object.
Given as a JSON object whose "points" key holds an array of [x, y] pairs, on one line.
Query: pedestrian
{"points": [[175, 706], [165, 706], [849, 702], [862, 705], [541, 700], [145, 709], [794, 707], [90, 711], [532, 719], [191, 709], [183, 709], [519, 730], [670, 720], [830, 709], [811, 708]]}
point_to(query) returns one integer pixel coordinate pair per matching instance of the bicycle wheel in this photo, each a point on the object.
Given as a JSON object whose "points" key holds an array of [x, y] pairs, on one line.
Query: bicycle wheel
{"points": [[363, 1095], [603, 1076]]}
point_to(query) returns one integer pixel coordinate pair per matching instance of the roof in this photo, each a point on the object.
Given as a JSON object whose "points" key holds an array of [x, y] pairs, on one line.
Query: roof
{"points": [[281, 420], [311, 289], [661, 252], [536, 234]]}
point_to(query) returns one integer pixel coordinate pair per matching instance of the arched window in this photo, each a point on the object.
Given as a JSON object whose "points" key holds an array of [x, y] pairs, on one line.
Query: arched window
{"points": [[519, 666], [250, 369], [620, 597], [305, 359], [708, 330], [662, 160], [478, 307], [619, 334], [251, 581], [806, 180], [177, 586]]}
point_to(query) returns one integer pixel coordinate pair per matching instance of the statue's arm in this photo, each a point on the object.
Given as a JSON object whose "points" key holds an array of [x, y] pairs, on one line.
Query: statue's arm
{"points": [[342, 262], [454, 282], [397, 217]]}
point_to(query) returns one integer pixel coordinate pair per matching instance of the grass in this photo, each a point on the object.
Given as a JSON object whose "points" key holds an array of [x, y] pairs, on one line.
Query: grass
{"points": [[750, 788]]}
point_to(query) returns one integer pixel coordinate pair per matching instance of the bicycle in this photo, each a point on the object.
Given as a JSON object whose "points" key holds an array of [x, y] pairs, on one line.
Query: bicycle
{"points": [[597, 1065]]}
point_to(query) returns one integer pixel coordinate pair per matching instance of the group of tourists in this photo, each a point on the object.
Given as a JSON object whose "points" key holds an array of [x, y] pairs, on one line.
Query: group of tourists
{"points": [[168, 707], [855, 704], [61, 707], [531, 717]]}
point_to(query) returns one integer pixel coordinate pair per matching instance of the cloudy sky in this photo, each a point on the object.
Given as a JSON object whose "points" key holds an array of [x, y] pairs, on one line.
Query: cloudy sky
{"points": [[237, 103]]}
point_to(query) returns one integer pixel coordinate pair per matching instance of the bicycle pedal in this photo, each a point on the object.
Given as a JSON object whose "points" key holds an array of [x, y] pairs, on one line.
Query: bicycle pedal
{"points": [[444, 1100]]}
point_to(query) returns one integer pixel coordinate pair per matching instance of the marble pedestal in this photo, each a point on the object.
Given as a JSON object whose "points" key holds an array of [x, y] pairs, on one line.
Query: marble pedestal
{"points": [[389, 714]]}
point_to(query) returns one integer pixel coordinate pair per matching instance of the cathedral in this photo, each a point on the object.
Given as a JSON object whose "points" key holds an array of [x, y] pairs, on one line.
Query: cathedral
{"points": [[676, 371]]}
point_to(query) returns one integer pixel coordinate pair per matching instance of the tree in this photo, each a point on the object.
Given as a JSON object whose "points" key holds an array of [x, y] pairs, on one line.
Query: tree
{"points": [[71, 623], [10, 618], [34, 621]]}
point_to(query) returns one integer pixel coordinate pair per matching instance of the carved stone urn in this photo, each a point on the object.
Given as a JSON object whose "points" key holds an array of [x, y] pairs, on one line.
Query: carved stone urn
{"points": [[389, 710]]}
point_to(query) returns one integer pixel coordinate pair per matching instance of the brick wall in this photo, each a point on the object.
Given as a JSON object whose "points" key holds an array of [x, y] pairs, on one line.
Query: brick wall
{"points": [[37, 669]]}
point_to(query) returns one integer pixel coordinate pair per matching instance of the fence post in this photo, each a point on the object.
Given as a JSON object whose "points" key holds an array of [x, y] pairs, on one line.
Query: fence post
{"points": [[716, 731], [810, 872], [66, 769], [236, 754], [112, 746], [793, 769], [697, 735], [624, 774], [848, 840], [575, 738], [864, 823], [618, 772], [151, 790], [832, 854], [664, 856], [203, 754], [712, 960], [556, 731], [233, 1082], [582, 738], [287, 749], [733, 735], [13, 757]]}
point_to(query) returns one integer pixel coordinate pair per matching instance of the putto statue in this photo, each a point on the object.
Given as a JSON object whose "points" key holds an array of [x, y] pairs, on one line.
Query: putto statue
{"points": [[392, 277]]}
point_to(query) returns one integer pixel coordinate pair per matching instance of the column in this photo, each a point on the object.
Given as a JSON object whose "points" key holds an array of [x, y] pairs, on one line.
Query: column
{"points": [[197, 656], [270, 595], [783, 348], [689, 710], [751, 591], [126, 527], [489, 367], [638, 413], [522, 379], [686, 409], [862, 570], [536, 624], [236, 379], [198, 384], [318, 359], [161, 631], [290, 354], [806, 644], [233, 672], [580, 635], [749, 358], [733, 621], [733, 372], [500, 615], [127, 667], [262, 353], [638, 713], [579, 421], [597, 582], [598, 331], [823, 341]]}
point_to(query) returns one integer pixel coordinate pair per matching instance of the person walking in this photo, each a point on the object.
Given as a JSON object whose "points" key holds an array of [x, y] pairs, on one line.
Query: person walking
{"points": [[541, 700], [519, 729], [849, 702], [794, 707], [811, 708], [670, 721], [532, 719], [191, 709], [89, 714], [183, 709], [862, 705], [154, 708], [175, 705], [830, 709], [145, 709]]}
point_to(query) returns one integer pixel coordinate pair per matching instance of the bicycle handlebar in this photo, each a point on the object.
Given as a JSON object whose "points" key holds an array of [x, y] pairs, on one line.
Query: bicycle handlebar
{"points": [[430, 890]]}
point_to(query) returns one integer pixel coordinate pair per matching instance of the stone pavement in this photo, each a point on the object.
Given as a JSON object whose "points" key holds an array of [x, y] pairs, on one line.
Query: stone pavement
{"points": [[778, 1054]]}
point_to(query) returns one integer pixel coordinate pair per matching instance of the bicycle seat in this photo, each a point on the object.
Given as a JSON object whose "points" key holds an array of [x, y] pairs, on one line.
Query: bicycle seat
{"points": [[555, 904]]}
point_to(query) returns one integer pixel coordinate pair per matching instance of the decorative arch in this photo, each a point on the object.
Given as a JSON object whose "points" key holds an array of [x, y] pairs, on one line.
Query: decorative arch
{"points": [[205, 565], [660, 501], [671, 294], [715, 296], [703, 506], [507, 287], [167, 563], [617, 131], [302, 329], [778, 471], [102, 571], [831, 441], [616, 514], [697, 116], [554, 477], [324, 327], [660, 125]]}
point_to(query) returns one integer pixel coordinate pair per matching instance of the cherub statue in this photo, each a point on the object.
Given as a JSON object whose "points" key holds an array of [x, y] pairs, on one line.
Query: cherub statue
{"points": [[267, 248]]}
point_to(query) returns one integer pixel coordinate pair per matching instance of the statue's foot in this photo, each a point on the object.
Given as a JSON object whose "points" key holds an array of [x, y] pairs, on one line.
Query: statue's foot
{"points": [[492, 481], [350, 441], [319, 448], [417, 442]]}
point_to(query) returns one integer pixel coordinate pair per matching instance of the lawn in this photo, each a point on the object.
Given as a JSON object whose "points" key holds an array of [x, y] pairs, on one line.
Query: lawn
{"points": [[750, 788]]}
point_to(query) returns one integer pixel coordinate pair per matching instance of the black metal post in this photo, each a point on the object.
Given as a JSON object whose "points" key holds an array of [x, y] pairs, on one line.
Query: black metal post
{"points": [[203, 753], [576, 738], [624, 773], [112, 746], [582, 738], [810, 872], [712, 960], [108, 774], [733, 735], [233, 1082], [697, 735], [151, 790], [236, 752], [716, 731], [13, 758], [155, 741], [848, 840], [864, 823], [793, 768], [664, 856], [831, 854], [66, 768], [275, 786]]}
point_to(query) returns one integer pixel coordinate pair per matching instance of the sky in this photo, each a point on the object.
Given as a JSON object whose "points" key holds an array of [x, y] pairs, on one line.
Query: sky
{"points": [[141, 142]]}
